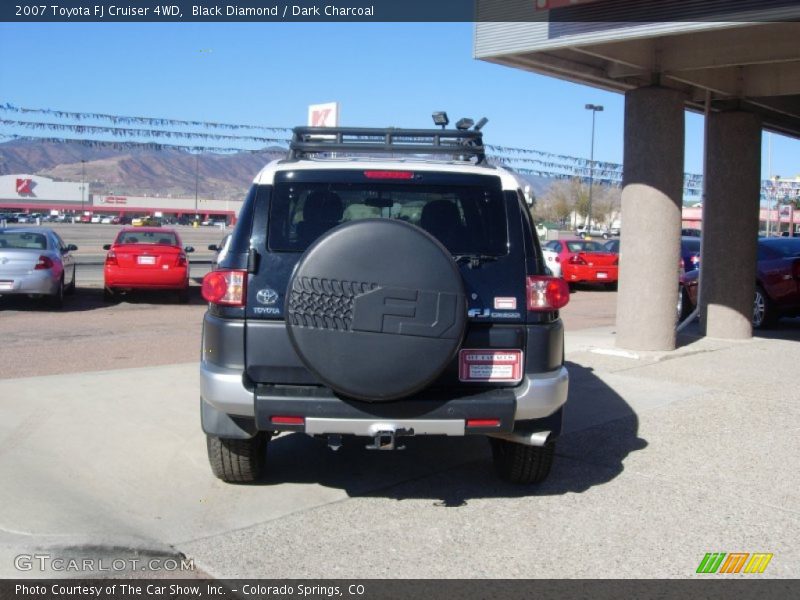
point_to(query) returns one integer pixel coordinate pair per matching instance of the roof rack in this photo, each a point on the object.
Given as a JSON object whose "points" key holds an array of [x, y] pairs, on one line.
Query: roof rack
{"points": [[462, 144]]}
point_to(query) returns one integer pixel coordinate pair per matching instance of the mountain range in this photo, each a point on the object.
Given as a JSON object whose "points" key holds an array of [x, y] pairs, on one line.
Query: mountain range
{"points": [[151, 171]]}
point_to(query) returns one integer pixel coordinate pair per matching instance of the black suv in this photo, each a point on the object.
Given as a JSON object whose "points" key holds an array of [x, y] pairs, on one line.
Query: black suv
{"points": [[383, 298]]}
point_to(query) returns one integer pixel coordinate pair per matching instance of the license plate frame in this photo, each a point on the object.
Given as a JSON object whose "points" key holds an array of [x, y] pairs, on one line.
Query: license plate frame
{"points": [[490, 365], [602, 275], [146, 260]]}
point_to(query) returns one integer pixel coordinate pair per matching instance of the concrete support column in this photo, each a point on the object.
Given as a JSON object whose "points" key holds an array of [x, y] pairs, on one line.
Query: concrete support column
{"points": [[651, 219], [730, 224]]}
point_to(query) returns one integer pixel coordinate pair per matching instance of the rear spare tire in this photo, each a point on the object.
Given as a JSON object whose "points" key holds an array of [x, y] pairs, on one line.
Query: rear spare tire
{"points": [[376, 309]]}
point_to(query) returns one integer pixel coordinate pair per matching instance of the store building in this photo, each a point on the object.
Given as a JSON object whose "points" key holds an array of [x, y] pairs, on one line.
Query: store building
{"points": [[41, 195]]}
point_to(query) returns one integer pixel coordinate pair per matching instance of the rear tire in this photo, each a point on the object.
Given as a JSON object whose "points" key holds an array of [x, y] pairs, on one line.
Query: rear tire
{"points": [[238, 461], [518, 463], [764, 315], [72, 285], [57, 300]]}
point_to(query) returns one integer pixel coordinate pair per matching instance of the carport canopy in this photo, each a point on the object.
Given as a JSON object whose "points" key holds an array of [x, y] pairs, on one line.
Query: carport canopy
{"points": [[740, 65]]}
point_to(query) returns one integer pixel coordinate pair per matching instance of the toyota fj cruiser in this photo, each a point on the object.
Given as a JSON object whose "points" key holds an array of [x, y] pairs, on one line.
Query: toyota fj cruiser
{"points": [[383, 298]]}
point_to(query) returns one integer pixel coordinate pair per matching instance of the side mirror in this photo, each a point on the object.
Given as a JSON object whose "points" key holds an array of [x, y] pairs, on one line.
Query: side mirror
{"points": [[72, 247], [107, 247], [188, 249], [213, 247]]}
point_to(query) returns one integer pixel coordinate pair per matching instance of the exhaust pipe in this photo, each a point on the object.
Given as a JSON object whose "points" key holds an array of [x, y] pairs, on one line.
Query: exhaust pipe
{"points": [[537, 438]]}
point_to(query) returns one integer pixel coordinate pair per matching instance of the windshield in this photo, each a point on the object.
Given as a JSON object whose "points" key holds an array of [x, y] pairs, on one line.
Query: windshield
{"points": [[467, 217], [147, 237]]}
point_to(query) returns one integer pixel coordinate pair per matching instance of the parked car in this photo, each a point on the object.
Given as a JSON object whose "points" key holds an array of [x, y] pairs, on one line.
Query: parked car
{"points": [[36, 262], [690, 253], [219, 250], [612, 246], [146, 258], [383, 299], [106, 220], [585, 261], [777, 282], [583, 232], [552, 260]]}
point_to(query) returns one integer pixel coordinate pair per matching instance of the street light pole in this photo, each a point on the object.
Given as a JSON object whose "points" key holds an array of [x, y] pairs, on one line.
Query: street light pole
{"points": [[83, 184], [196, 177], [595, 108], [775, 179]]}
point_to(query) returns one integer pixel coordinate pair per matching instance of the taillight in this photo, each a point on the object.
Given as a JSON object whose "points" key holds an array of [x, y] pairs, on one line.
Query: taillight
{"points": [[616, 261], [111, 258], [44, 262], [389, 174], [577, 260], [547, 293], [226, 288], [181, 260]]}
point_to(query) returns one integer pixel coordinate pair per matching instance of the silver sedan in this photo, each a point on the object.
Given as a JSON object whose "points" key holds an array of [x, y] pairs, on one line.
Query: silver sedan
{"points": [[35, 261]]}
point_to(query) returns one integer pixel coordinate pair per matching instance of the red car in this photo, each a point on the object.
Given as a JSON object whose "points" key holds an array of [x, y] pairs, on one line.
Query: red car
{"points": [[777, 282], [147, 258], [585, 261]]}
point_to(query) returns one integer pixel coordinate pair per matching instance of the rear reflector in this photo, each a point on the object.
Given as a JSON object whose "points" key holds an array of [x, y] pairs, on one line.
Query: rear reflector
{"points": [[483, 422], [490, 365], [288, 420], [547, 293], [388, 174], [226, 288]]}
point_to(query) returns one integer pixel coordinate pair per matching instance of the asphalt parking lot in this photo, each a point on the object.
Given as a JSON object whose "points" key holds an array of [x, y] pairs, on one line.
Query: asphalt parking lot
{"points": [[667, 456]]}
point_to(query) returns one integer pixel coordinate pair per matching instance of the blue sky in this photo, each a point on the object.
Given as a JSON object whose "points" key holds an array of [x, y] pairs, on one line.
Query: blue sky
{"points": [[268, 74]]}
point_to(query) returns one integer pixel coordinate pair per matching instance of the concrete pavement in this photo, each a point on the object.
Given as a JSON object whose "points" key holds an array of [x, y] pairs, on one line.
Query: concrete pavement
{"points": [[667, 456]]}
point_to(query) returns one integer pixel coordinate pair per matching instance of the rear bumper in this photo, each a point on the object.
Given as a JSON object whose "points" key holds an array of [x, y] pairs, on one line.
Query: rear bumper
{"points": [[36, 282], [170, 279], [586, 274], [537, 397]]}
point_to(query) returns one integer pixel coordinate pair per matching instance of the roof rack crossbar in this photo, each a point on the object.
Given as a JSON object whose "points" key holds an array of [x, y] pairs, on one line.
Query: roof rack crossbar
{"points": [[464, 144]]}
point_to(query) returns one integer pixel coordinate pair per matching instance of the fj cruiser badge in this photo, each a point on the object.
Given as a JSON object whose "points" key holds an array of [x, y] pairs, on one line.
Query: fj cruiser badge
{"points": [[267, 296]]}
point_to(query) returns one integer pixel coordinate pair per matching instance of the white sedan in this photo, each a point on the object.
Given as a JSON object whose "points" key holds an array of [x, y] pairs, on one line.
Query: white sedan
{"points": [[552, 261]]}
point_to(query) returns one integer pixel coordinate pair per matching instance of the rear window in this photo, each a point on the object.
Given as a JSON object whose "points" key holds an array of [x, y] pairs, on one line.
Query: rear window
{"points": [[23, 240], [465, 213], [584, 247], [787, 247], [147, 237], [692, 245]]}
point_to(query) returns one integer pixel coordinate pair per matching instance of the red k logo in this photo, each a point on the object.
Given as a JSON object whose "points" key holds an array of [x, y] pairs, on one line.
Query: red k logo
{"points": [[24, 186], [319, 117]]}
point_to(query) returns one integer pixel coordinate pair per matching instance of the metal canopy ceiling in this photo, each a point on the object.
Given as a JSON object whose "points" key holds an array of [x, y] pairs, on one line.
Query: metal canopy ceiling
{"points": [[745, 65]]}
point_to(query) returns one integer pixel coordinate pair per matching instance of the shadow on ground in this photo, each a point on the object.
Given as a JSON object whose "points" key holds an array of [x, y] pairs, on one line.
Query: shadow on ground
{"points": [[601, 430]]}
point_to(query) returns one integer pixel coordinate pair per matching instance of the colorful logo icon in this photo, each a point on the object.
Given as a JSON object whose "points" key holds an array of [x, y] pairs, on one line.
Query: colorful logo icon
{"points": [[734, 562]]}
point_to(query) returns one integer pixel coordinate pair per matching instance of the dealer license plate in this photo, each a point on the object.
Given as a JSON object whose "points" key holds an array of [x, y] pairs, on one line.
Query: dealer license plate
{"points": [[147, 260]]}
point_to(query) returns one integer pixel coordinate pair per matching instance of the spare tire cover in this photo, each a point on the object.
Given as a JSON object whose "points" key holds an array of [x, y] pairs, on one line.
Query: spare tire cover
{"points": [[376, 309]]}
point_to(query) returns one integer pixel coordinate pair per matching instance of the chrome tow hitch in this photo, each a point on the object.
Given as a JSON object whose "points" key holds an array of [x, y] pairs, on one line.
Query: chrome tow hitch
{"points": [[386, 440]]}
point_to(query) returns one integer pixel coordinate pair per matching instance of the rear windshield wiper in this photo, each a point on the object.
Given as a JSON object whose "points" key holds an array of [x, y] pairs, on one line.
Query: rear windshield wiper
{"points": [[474, 260]]}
